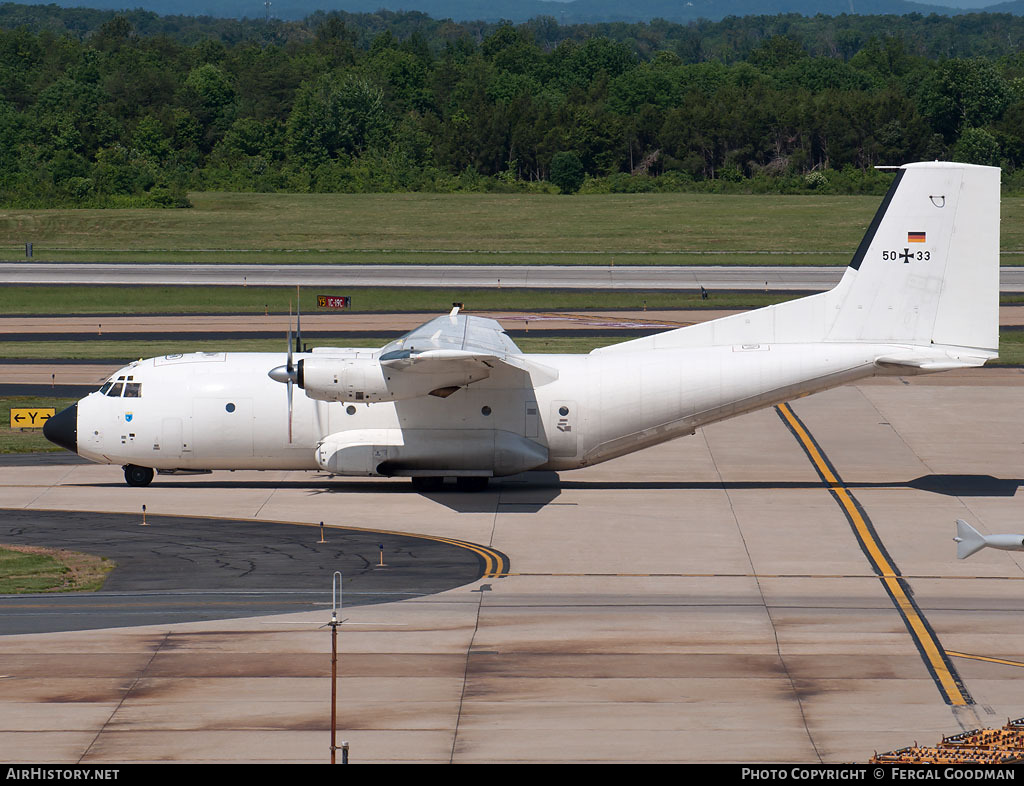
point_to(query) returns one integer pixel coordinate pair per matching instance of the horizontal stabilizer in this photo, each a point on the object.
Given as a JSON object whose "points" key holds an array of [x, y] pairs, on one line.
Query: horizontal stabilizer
{"points": [[934, 361], [968, 540]]}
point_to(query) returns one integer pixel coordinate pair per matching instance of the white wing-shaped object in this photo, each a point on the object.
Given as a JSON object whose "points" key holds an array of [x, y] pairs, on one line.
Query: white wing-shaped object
{"points": [[454, 331], [459, 342]]}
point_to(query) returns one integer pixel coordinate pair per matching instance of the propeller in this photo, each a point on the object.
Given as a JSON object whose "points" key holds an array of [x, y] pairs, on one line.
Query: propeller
{"points": [[287, 374]]}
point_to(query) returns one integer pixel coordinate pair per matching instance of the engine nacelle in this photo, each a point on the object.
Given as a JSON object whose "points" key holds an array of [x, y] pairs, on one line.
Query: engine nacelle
{"points": [[361, 377], [348, 378]]}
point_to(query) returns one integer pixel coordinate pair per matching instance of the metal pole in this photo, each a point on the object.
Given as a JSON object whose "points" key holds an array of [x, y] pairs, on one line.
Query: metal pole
{"points": [[336, 603], [334, 687]]}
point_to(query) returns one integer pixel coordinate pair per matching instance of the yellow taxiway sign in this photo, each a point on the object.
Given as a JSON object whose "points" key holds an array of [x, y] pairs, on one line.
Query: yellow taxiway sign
{"points": [[30, 417]]}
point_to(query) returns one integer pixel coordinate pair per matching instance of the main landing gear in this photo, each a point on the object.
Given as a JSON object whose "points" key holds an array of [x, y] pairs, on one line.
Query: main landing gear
{"points": [[137, 476]]}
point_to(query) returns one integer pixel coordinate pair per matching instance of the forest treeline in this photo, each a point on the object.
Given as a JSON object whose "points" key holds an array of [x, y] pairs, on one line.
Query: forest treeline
{"points": [[102, 109]]}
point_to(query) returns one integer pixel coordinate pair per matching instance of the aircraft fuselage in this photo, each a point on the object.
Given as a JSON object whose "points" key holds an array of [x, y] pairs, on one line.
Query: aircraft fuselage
{"points": [[210, 411]]}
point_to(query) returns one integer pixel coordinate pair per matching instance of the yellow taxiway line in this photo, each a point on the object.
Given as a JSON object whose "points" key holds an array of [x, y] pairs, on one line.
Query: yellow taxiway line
{"points": [[935, 657]]}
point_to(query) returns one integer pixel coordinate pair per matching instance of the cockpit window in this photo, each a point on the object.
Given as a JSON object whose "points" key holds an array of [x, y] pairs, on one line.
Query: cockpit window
{"points": [[123, 386]]}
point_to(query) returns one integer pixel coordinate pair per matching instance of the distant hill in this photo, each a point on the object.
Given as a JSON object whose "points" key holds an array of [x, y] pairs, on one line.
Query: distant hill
{"points": [[1016, 8], [574, 12]]}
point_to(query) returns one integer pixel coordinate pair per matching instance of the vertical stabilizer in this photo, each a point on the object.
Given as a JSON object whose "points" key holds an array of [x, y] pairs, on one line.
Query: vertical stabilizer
{"points": [[927, 271]]}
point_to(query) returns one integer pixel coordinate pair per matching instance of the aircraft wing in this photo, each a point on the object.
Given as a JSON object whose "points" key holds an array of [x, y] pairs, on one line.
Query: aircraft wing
{"points": [[455, 331], [459, 342], [437, 359]]}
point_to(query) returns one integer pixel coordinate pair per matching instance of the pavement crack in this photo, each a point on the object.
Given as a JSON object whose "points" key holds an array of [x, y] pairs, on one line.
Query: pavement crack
{"points": [[124, 698], [764, 601], [465, 674]]}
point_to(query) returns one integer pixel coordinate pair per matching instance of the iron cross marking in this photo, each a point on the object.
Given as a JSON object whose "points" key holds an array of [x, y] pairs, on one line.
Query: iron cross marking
{"points": [[906, 255]]}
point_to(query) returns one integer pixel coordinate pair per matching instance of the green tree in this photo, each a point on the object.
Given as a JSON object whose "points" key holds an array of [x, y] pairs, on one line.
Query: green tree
{"points": [[336, 115], [777, 52], [567, 172], [209, 95], [964, 94], [977, 146]]}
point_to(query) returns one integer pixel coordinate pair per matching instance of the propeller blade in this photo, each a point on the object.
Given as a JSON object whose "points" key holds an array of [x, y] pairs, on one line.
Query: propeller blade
{"points": [[289, 411], [291, 374], [290, 365]]}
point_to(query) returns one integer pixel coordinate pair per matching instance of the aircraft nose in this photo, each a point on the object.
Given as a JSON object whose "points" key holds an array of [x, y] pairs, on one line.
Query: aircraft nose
{"points": [[62, 428]]}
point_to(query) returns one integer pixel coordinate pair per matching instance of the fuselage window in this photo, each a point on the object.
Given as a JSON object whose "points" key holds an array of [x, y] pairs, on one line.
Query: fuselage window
{"points": [[133, 390], [116, 389]]}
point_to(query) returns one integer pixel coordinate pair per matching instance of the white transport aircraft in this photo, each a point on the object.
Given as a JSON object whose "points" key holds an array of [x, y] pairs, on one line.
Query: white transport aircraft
{"points": [[456, 397]]}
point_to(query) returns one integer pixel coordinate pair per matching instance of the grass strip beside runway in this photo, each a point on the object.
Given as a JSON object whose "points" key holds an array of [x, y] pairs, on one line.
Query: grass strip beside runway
{"points": [[81, 300], [30, 569], [675, 228]]}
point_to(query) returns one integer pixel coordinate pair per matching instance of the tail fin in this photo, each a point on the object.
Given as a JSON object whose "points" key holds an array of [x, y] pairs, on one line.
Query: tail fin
{"points": [[927, 271], [968, 540]]}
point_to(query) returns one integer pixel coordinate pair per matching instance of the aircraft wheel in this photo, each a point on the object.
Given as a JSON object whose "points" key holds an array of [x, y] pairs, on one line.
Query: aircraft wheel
{"points": [[137, 476], [427, 484], [471, 483]]}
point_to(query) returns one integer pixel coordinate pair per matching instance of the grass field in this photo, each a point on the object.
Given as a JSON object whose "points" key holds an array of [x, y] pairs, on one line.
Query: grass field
{"points": [[468, 229], [31, 569], [66, 300]]}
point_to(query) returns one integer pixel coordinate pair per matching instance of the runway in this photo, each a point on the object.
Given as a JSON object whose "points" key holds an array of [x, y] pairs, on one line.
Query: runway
{"points": [[689, 277], [458, 276], [705, 600]]}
